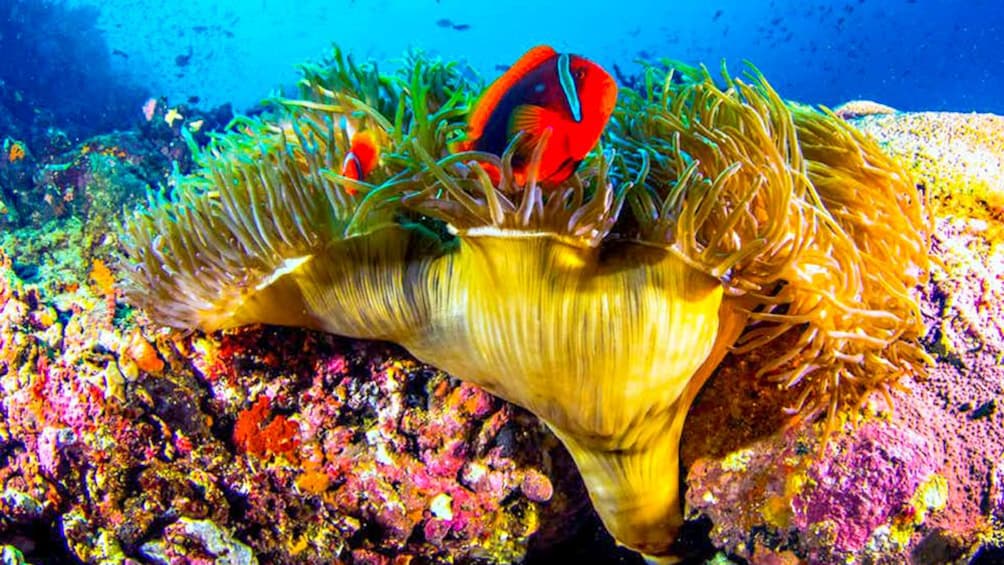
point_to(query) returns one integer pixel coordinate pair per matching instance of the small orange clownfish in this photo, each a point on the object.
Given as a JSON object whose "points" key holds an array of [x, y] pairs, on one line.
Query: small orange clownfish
{"points": [[570, 95], [362, 158]]}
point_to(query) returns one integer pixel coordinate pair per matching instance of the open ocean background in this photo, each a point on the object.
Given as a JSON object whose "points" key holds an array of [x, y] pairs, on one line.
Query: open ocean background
{"points": [[97, 61]]}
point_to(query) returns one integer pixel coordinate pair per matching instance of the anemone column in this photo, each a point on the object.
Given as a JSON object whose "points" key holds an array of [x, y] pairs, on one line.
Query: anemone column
{"points": [[601, 344]]}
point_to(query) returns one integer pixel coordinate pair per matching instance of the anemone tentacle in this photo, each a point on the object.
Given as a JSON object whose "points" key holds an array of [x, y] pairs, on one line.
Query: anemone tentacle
{"points": [[767, 196], [232, 243], [460, 193], [607, 343]]}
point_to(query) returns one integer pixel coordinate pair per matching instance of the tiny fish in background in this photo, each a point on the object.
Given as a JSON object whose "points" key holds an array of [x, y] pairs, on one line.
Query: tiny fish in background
{"points": [[565, 94], [632, 82], [447, 23], [172, 116], [184, 60]]}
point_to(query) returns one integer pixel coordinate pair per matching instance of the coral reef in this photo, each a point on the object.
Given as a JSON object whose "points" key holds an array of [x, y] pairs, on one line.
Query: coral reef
{"points": [[957, 158], [57, 88], [92, 180]]}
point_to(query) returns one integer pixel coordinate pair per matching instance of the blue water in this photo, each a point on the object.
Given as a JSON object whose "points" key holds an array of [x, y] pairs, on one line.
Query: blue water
{"points": [[96, 59]]}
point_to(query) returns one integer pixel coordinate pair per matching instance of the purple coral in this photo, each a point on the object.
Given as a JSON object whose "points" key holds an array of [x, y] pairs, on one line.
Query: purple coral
{"points": [[865, 480]]}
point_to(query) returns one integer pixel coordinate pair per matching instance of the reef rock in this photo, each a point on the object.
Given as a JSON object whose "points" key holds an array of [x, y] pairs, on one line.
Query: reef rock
{"points": [[120, 440]]}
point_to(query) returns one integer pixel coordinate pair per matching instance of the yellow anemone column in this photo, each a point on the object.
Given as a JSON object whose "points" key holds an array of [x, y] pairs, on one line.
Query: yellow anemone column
{"points": [[602, 344]]}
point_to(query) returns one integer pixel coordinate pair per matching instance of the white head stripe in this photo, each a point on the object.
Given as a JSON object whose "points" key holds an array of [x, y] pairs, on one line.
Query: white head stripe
{"points": [[568, 86]]}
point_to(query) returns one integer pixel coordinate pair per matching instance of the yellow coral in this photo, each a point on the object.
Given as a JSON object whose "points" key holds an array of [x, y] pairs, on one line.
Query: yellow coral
{"points": [[955, 157], [931, 495], [313, 481], [16, 150], [104, 280], [144, 354]]}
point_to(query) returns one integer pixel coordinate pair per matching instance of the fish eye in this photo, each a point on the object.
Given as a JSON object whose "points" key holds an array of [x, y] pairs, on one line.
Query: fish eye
{"points": [[579, 73]]}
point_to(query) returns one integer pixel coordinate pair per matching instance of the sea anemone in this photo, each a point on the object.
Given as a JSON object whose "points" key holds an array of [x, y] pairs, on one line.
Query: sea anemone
{"points": [[795, 209], [746, 218]]}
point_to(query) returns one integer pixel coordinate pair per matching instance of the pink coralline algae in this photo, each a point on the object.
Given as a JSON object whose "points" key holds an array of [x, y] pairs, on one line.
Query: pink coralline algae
{"points": [[122, 441], [841, 503], [868, 481]]}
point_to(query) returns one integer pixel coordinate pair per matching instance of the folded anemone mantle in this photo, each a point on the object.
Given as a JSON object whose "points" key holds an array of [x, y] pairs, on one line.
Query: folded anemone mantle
{"points": [[715, 219]]}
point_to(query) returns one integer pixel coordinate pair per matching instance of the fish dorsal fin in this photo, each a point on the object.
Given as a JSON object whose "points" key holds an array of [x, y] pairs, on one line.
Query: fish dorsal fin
{"points": [[493, 95]]}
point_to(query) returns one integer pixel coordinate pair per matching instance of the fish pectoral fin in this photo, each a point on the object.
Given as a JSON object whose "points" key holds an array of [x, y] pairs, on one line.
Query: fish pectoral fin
{"points": [[532, 121]]}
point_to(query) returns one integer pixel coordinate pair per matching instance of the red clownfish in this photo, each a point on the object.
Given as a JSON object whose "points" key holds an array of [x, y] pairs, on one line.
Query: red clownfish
{"points": [[571, 96], [362, 158]]}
